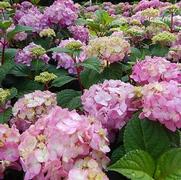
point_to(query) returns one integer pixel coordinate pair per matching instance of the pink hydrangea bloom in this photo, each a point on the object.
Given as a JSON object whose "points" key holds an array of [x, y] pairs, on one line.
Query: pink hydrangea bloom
{"points": [[65, 60], [85, 169], [162, 102], [61, 12], [110, 102], [144, 4], [62, 136], [26, 56], [28, 109], [29, 15], [9, 154], [108, 48], [80, 33], [155, 69]]}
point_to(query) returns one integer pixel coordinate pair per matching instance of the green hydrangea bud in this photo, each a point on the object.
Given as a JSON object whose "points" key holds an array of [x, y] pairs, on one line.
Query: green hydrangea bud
{"points": [[45, 77], [4, 5], [47, 33], [38, 51], [173, 8], [150, 12], [135, 31], [74, 45], [4, 93], [163, 38]]}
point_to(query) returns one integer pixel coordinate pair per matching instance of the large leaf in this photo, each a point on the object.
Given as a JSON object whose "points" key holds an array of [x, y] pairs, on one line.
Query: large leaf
{"points": [[89, 77], [27, 86], [117, 154], [5, 69], [58, 72], [20, 70], [136, 165], [5, 24], [146, 135], [62, 80], [69, 98], [5, 116], [169, 165], [91, 63], [18, 29]]}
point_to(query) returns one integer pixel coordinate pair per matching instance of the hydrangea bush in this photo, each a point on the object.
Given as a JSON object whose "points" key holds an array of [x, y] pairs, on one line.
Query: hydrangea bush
{"points": [[90, 91]]}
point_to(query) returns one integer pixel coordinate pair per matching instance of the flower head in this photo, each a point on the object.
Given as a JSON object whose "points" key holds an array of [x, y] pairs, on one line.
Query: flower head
{"points": [[45, 77], [111, 48], [110, 102], [61, 138], [155, 69], [161, 102], [48, 32], [30, 53], [163, 38], [28, 109], [4, 94]]}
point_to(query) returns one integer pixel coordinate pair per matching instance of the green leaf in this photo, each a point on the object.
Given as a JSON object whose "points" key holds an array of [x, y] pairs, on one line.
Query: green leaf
{"points": [[58, 72], [89, 77], [136, 165], [27, 86], [62, 80], [5, 116], [91, 63], [157, 50], [5, 24], [13, 92], [169, 165], [18, 29], [145, 135], [5, 69], [69, 98], [117, 154], [38, 65], [20, 70]]}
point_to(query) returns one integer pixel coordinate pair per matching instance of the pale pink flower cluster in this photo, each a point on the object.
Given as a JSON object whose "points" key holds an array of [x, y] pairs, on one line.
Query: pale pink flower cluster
{"points": [[26, 56], [65, 60], [155, 69], [110, 102], [162, 102], [29, 15], [53, 145], [86, 169], [80, 33], [61, 12], [28, 109], [109, 48], [9, 140]]}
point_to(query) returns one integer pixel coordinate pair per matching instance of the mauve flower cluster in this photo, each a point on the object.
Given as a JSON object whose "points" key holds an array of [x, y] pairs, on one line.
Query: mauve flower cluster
{"points": [[31, 52], [111, 48], [86, 169], [60, 139], [162, 102], [61, 12], [110, 102], [144, 4], [80, 33], [65, 60], [155, 69], [9, 154], [28, 109], [29, 15]]}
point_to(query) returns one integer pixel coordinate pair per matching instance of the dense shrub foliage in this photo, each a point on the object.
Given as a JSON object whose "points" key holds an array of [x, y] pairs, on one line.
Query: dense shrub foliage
{"points": [[90, 91]]}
